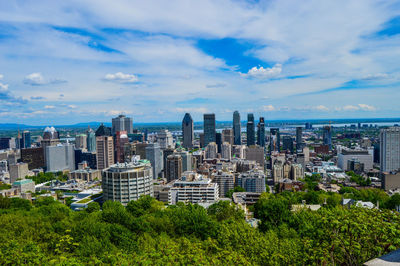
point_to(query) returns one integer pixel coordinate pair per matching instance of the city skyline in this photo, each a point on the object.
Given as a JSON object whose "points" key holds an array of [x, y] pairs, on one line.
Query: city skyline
{"points": [[270, 58]]}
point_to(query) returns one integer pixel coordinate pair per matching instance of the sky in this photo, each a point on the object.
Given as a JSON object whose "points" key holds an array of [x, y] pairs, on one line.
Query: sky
{"points": [[66, 62]]}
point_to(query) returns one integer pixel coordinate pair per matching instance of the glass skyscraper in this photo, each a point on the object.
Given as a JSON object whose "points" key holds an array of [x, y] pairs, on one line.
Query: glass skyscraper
{"points": [[261, 132], [251, 136], [237, 128], [209, 129]]}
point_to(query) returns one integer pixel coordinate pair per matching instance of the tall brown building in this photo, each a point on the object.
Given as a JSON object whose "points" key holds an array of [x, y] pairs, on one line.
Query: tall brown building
{"points": [[121, 138], [34, 157], [105, 152], [174, 167]]}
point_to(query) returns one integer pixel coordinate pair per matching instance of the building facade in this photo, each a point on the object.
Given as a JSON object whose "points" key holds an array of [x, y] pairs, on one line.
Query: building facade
{"points": [[187, 131], [105, 152], [209, 129], [390, 149], [251, 137], [237, 130], [122, 123]]}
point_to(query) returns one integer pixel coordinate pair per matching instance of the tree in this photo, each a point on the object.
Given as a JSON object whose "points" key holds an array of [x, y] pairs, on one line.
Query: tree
{"points": [[235, 189], [92, 207], [272, 212], [225, 210]]}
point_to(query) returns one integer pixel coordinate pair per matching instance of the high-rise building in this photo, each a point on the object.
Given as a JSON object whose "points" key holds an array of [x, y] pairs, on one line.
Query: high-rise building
{"points": [[50, 138], [255, 153], [287, 143], [297, 172], [105, 152], [7, 143], [261, 132], [193, 188], [26, 139], [122, 123], [60, 158], [252, 181], [128, 181], [211, 150], [102, 130], [251, 138], [121, 138], [34, 157], [225, 181], [275, 140], [81, 141], [226, 151], [88, 157], [91, 140], [165, 139], [154, 155], [209, 129], [18, 171], [174, 167], [390, 149], [187, 131], [186, 159], [218, 141], [237, 131], [227, 135], [327, 136], [19, 144], [50, 133], [299, 138]]}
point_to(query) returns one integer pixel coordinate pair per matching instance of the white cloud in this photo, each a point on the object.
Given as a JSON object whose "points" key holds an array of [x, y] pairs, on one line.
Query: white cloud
{"points": [[367, 107], [350, 108], [264, 73], [1, 76], [121, 77], [49, 107], [268, 108], [71, 106], [37, 79], [200, 110], [376, 76], [321, 108]]}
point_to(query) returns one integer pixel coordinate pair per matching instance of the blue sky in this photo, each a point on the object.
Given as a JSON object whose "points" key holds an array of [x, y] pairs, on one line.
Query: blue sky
{"points": [[90, 60]]}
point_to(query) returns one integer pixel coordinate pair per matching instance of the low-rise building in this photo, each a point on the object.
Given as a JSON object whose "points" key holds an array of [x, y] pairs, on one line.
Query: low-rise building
{"points": [[86, 174]]}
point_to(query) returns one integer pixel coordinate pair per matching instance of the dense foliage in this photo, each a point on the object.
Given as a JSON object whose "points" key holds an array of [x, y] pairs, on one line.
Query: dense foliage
{"points": [[147, 232], [48, 176]]}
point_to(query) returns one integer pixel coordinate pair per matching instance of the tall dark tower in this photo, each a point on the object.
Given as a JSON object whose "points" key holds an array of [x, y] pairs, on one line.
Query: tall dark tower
{"points": [[299, 138], [261, 132], [237, 129], [187, 131], [251, 138], [327, 136], [209, 129]]}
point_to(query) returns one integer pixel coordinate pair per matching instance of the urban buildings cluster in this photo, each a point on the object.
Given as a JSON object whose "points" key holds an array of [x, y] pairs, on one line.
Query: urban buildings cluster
{"points": [[122, 163]]}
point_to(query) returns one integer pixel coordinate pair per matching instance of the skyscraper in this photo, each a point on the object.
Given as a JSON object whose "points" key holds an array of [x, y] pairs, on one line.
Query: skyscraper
{"points": [[81, 141], [390, 149], [251, 138], [26, 139], [122, 123], [226, 151], [227, 135], [174, 167], [105, 152], [327, 136], [187, 131], [299, 138], [209, 129], [91, 140], [154, 155], [287, 143], [121, 138], [275, 140], [165, 139], [237, 128], [60, 158], [261, 132]]}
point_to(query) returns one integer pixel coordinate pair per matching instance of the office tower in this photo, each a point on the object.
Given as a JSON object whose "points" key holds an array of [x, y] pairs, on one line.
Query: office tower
{"points": [[60, 158], [299, 138], [91, 140], [19, 141], [116, 178], [226, 151], [275, 140], [18, 171], [121, 138], [50, 133], [34, 157], [251, 138], [88, 157], [187, 131], [50, 138], [227, 135], [390, 149], [218, 141], [239, 151], [362, 156], [193, 188], [186, 160], [252, 181], [166, 153], [102, 130], [297, 172], [209, 129], [261, 132], [7, 143], [237, 131], [154, 155], [308, 126], [287, 143], [165, 139], [174, 167], [105, 152], [26, 139], [211, 150], [225, 181], [81, 141], [122, 123], [255, 153], [327, 136]]}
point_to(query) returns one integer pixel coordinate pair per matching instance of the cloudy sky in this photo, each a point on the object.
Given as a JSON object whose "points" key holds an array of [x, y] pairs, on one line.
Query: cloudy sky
{"points": [[65, 62]]}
